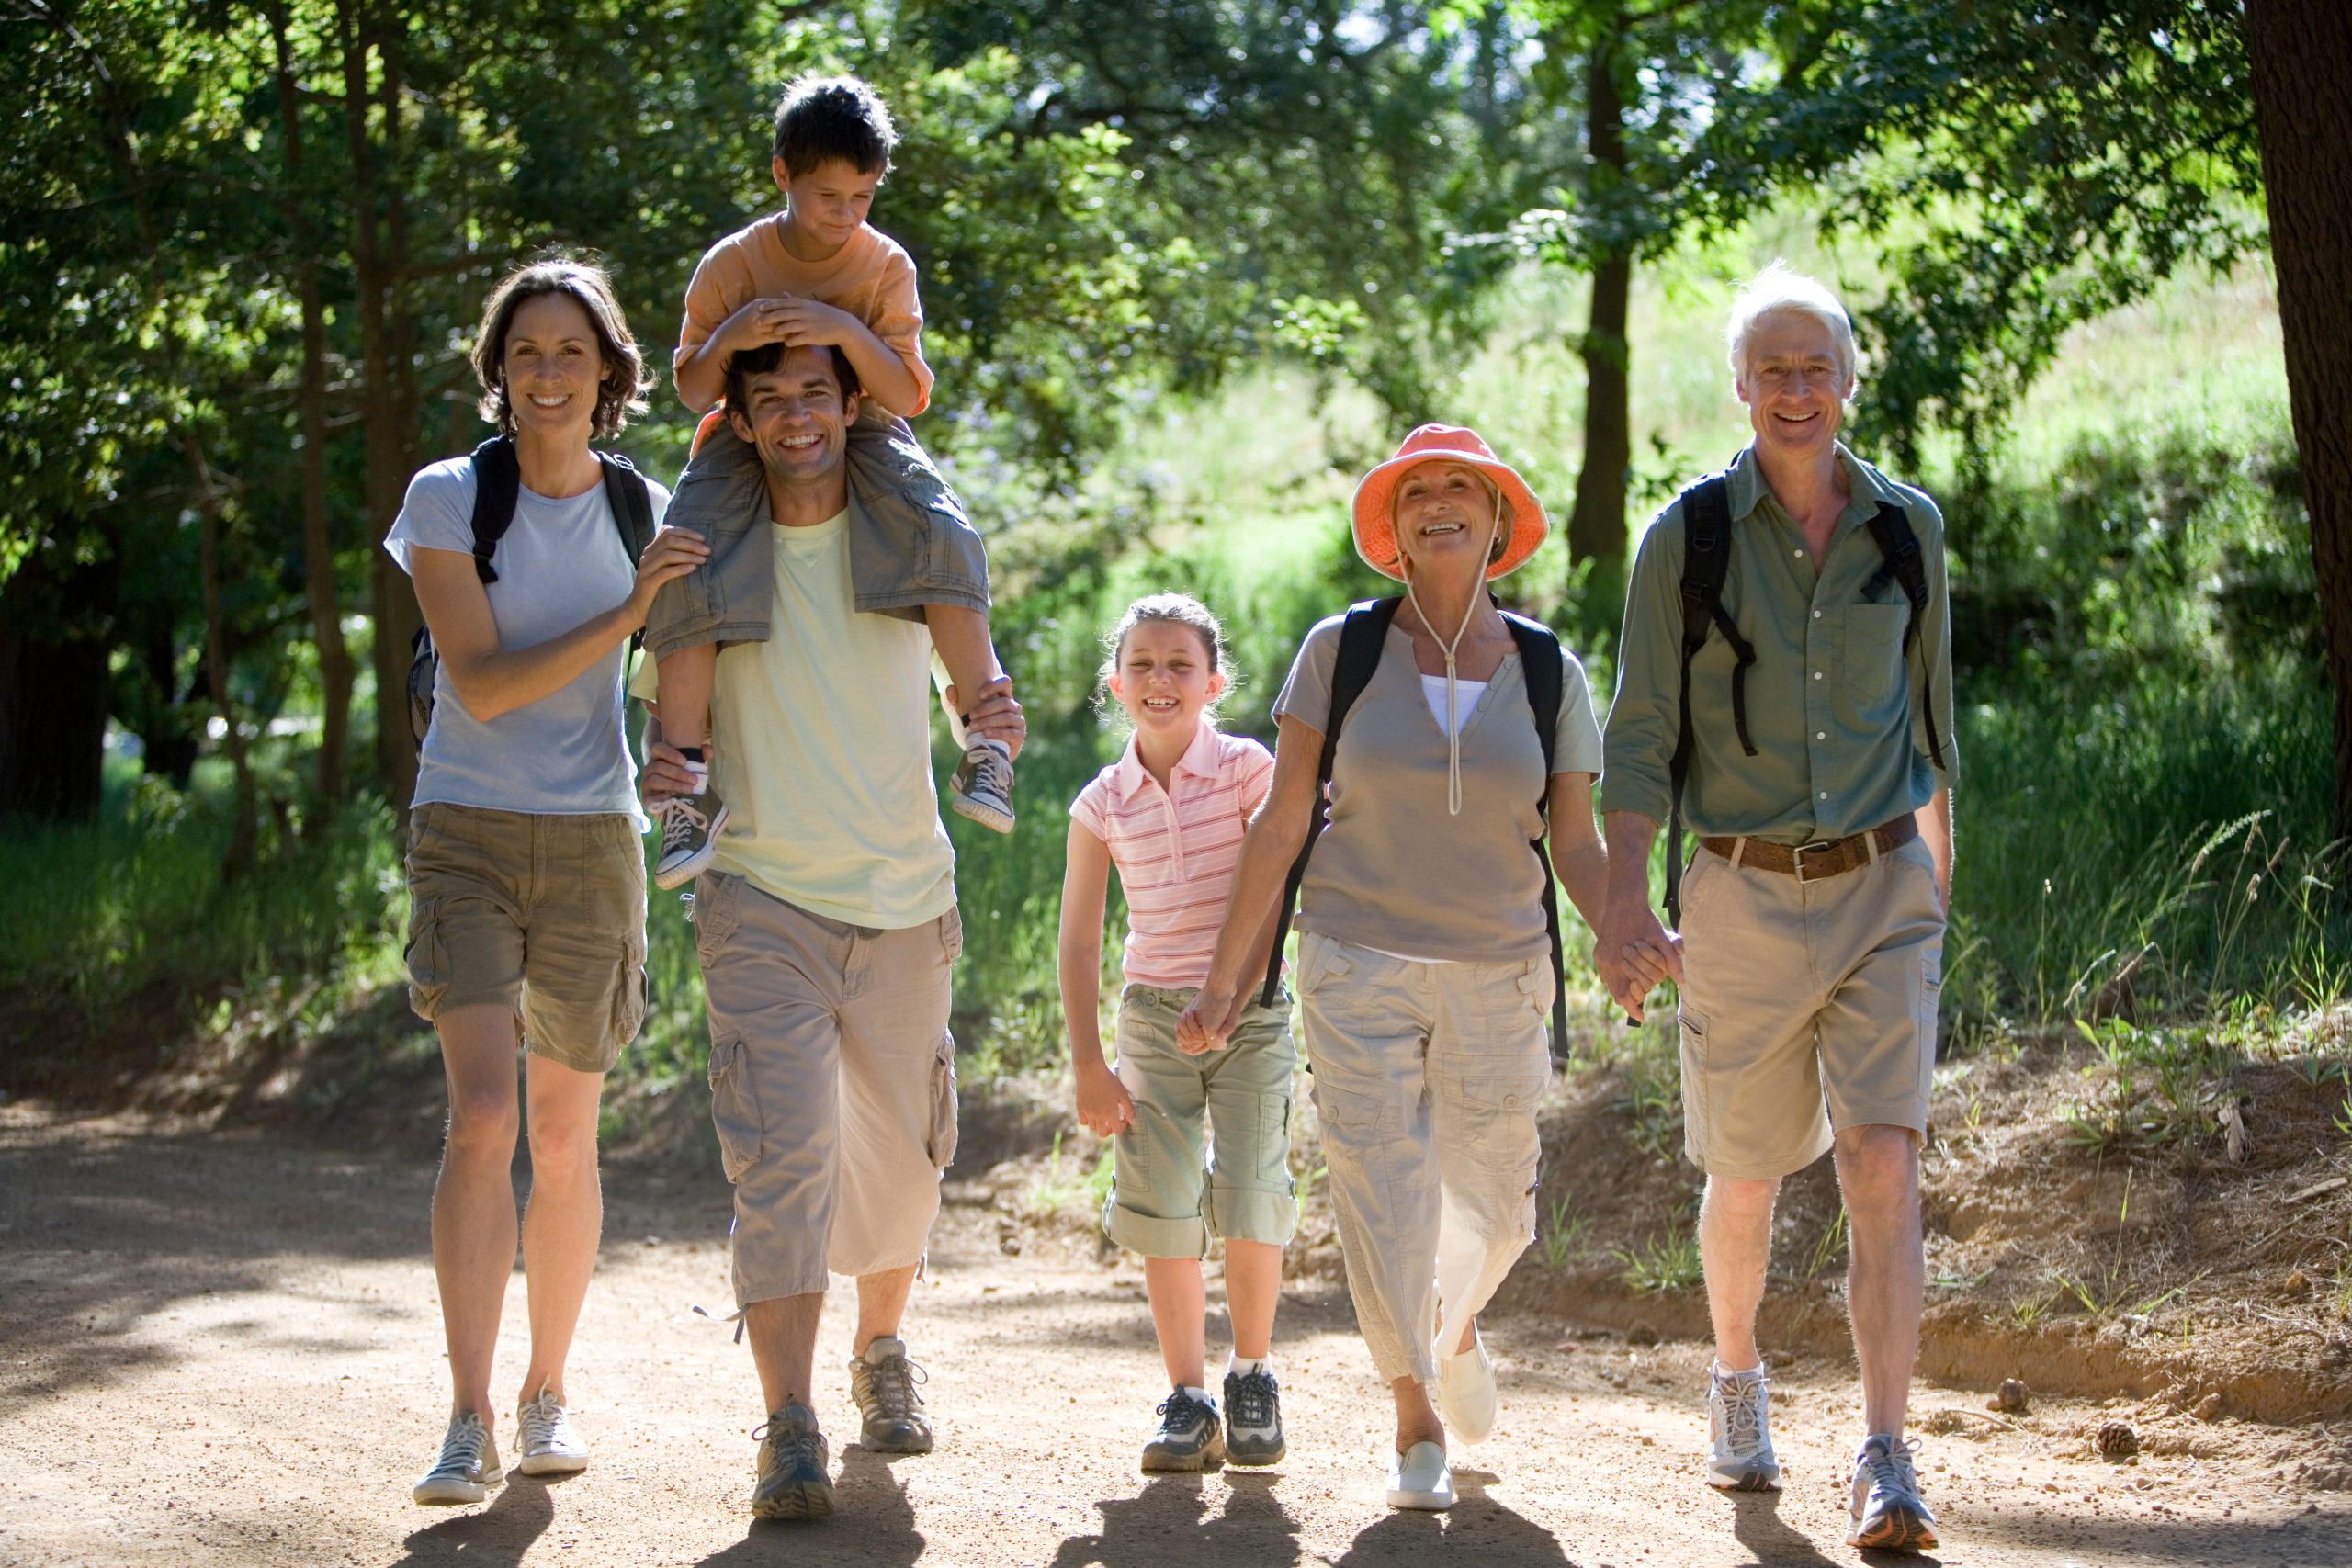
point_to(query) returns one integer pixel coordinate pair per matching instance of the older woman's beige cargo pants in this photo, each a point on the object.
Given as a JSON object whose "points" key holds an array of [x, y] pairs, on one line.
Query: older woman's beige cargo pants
{"points": [[1427, 1077]]}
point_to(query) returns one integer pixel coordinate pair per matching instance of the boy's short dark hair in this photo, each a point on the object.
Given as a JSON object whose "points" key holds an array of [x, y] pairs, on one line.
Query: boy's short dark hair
{"points": [[746, 363], [822, 118]]}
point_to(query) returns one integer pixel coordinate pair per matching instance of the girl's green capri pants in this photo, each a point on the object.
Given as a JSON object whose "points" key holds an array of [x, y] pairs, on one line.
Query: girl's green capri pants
{"points": [[1166, 1168]]}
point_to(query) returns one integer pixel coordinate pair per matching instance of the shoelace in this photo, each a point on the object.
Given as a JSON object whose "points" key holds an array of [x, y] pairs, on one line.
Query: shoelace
{"points": [[544, 1422], [892, 1380], [680, 823], [1892, 1469], [794, 1446], [462, 1450], [1743, 1413], [991, 770], [1250, 1405], [1181, 1409]]}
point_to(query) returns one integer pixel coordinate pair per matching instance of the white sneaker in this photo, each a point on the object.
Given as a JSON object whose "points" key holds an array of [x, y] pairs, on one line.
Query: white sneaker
{"points": [[468, 1467], [1889, 1514], [1739, 1432], [551, 1445], [1420, 1479], [1465, 1391]]}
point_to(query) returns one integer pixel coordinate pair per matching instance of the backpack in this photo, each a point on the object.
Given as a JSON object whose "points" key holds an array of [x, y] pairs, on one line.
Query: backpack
{"points": [[1706, 563], [1362, 639], [498, 483]]}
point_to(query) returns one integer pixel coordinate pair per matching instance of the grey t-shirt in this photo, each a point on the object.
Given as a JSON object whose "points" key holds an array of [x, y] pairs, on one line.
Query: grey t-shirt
{"points": [[1394, 871], [559, 563]]}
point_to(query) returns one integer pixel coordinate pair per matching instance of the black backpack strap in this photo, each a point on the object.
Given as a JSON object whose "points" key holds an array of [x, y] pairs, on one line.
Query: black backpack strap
{"points": [[1362, 638], [632, 509], [1900, 561], [1706, 564], [498, 481], [1541, 662]]}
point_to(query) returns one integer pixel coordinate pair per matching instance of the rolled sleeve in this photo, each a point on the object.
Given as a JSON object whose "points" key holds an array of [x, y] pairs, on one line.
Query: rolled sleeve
{"points": [[1637, 747], [1935, 637]]}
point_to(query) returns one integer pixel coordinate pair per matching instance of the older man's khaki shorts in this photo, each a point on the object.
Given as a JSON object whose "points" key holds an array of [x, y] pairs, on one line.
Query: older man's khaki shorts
{"points": [[1807, 1008], [543, 915]]}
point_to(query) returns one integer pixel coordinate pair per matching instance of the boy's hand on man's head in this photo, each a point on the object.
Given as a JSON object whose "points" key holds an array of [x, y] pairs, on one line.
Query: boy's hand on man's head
{"points": [[804, 323]]}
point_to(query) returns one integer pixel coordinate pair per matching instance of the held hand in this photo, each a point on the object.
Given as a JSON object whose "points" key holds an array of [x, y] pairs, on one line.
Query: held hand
{"points": [[1208, 1022], [1104, 1107], [1632, 953], [673, 553], [996, 715], [664, 776]]}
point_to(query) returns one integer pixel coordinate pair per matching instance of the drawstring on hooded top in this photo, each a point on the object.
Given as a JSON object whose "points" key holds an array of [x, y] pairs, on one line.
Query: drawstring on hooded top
{"points": [[1453, 724]]}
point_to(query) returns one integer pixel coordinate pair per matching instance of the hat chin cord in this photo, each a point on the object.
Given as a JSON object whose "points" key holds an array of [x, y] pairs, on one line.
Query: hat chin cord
{"points": [[1452, 725]]}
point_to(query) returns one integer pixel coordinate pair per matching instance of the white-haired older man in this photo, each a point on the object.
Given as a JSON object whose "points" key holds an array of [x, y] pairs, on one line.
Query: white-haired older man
{"points": [[1784, 679]]}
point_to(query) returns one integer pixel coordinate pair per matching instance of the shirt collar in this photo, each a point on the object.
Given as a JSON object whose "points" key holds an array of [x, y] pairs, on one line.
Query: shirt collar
{"points": [[1199, 760], [1744, 480]]}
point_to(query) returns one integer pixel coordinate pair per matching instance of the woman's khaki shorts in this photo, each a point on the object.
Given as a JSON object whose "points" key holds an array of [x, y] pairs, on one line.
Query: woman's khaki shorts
{"points": [[1235, 1101], [544, 916]]}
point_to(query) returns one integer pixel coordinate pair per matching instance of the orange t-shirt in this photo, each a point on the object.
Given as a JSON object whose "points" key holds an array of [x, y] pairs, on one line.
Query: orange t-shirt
{"points": [[872, 278]]}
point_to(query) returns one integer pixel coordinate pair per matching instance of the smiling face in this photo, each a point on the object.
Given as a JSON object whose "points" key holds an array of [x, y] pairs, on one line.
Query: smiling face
{"points": [[797, 417], [552, 366], [1795, 384], [1165, 678], [823, 206], [1446, 517]]}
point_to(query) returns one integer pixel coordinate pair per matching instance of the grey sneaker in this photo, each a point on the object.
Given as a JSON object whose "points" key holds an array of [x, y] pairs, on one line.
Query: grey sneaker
{"points": [[551, 1445], [690, 827], [468, 1467], [983, 784], [1187, 1437], [1253, 1418], [1889, 1514], [1739, 1432], [793, 1456], [883, 1382]]}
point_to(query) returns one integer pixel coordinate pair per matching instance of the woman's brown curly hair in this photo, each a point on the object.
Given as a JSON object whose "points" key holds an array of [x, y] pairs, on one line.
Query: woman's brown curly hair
{"points": [[620, 392]]}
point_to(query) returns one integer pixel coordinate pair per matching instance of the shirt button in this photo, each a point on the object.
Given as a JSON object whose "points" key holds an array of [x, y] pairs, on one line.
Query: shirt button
{"points": [[1816, 614], [1816, 674], [1821, 735], [1825, 795]]}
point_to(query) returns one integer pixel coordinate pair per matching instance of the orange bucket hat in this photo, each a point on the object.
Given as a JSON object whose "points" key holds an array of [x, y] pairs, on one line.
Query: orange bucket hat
{"points": [[1375, 502]]}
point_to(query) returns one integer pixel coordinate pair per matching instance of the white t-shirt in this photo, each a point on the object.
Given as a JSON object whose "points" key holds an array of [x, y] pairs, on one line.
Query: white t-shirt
{"points": [[823, 738], [559, 563]]}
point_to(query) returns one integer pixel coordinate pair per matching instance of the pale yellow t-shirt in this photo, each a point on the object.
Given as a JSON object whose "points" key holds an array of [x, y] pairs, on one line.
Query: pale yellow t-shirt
{"points": [[824, 735]]}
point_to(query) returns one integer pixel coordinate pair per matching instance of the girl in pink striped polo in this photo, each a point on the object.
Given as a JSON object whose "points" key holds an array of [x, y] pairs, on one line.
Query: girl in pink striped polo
{"points": [[1170, 813]]}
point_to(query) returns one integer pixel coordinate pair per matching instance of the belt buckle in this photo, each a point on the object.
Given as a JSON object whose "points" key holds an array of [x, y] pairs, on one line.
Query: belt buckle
{"points": [[1798, 854]]}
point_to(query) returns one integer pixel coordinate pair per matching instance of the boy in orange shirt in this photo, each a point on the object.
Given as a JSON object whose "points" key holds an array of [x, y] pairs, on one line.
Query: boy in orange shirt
{"points": [[817, 274]]}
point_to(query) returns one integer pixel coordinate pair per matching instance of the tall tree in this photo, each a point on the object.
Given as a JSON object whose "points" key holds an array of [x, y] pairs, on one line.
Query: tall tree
{"points": [[2301, 50]]}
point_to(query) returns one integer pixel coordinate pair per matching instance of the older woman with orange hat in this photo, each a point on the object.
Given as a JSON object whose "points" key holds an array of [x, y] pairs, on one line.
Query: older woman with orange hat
{"points": [[1425, 971]]}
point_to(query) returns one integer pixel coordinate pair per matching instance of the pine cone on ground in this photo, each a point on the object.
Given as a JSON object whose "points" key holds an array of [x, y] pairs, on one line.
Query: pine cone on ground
{"points": [[2117, 1442]]}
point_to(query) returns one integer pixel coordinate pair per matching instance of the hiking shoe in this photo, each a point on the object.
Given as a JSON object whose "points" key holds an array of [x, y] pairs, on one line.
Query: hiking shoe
{"points": [[690, 827], [1420, 1479], [1739, 1433], [983, 784], [792, 1455], [1187, 1437], [1253, 1418], [550, 1445], [1889, 1513], [883, 1382], [468, 1467], [1465, 1391]]}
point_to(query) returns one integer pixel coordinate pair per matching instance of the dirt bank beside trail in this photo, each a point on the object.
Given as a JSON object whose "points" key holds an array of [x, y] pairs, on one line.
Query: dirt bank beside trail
{"points": [[225, 1350]]}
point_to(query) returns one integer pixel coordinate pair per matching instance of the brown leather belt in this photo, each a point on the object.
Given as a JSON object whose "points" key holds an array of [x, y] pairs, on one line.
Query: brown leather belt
{"points": [[1831, 857]]}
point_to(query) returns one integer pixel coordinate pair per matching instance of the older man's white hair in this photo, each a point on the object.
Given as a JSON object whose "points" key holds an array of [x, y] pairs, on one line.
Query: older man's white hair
{"points": [[1780, 289]]}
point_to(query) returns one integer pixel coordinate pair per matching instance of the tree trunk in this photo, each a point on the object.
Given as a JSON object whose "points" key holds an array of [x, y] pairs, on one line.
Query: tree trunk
{"points": [[318, 537], [2300, 51], [1597, 528], [216, 663], [390, 597], [56, 620]]}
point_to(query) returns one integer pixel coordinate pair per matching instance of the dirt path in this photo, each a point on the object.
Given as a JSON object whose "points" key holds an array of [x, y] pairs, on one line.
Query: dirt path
{"points": [[219, 1350]]}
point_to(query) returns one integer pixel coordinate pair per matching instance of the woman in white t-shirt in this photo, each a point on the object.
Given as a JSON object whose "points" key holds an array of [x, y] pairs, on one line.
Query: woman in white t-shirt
{"points": [[527, 872]]}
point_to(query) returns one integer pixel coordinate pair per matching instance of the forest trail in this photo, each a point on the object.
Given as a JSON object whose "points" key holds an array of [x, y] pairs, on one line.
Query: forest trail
{"points": [[225, 1350]]}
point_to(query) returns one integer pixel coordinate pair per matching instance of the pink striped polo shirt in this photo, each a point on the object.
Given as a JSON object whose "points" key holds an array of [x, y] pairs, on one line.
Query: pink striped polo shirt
{"points": [[1176, 848]]}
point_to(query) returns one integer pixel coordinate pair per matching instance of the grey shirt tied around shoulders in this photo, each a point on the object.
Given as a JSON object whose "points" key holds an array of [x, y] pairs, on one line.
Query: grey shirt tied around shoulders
{"points": [[1836, 709], [1395, 870]]}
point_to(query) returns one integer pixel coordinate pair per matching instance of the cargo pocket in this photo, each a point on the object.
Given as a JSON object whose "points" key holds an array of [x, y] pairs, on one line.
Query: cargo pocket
{"points": [[714, 916], [633, 995], [941, 1141], [734, 1110], [427, 959]]}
